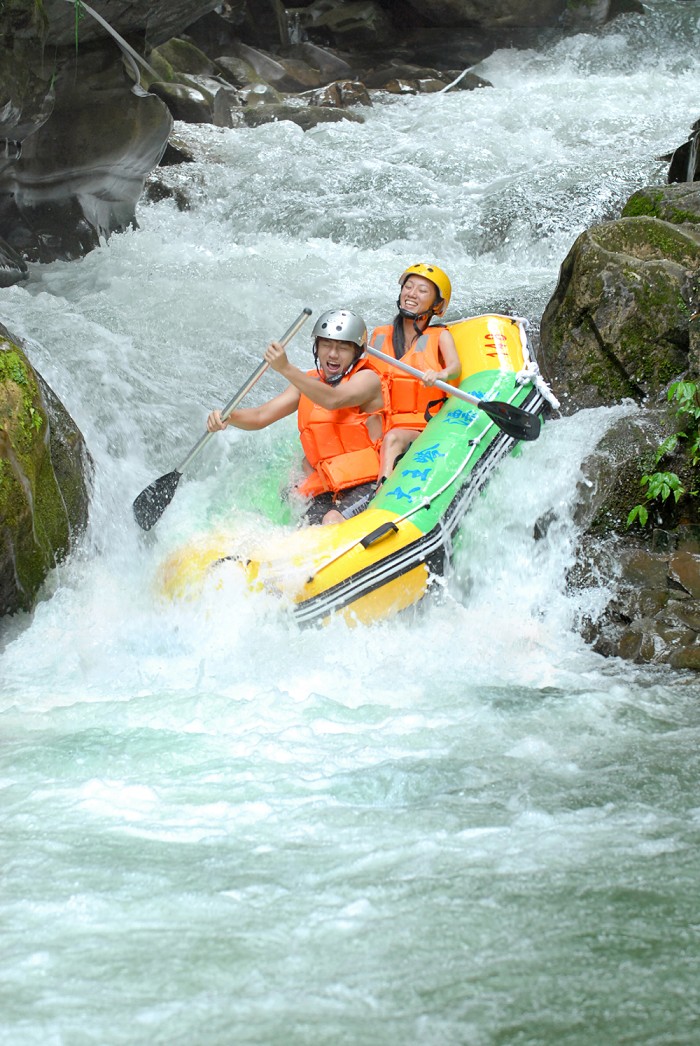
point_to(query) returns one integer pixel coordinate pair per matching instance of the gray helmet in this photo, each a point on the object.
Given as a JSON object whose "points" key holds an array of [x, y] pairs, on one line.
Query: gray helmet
{"points": [[341, 325]]}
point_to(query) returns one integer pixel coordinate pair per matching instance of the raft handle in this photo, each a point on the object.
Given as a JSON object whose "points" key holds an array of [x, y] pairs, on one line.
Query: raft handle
{"points": [[379, 533]]}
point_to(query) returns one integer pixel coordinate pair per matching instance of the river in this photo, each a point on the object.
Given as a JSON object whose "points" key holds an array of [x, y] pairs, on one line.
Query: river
{"points": [[460, 827]]}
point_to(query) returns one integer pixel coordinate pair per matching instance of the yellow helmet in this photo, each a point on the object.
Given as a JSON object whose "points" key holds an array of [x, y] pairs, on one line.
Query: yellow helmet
{"points": [[436, 276]]}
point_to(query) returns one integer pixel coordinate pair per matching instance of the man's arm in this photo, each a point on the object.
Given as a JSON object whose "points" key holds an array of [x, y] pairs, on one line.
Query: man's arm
{"points": [[253, 418], [358, 391]]}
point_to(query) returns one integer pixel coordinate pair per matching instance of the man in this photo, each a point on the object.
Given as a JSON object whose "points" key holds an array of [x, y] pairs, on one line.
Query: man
{"points": [[340, 414]]}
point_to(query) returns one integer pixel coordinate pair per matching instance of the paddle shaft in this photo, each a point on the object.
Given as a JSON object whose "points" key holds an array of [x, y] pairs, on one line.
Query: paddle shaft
{"points": [[245, 388], [407, 369]]}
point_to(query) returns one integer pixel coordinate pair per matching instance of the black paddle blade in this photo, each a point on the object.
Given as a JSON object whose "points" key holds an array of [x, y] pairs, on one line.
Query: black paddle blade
{"points": [[514, 421], [152, 502]]}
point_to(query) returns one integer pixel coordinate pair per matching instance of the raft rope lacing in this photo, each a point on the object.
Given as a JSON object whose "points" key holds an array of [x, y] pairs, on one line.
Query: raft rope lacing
{"points": [[531, 373]]}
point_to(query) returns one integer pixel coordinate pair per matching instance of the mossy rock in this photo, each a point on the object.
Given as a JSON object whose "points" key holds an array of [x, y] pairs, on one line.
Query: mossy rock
{"points": [[44, 475], [181, 56], [678, 204], [618, 324]]}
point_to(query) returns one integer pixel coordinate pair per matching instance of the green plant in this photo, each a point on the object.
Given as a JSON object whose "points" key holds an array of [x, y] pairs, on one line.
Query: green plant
{"points": [[660, 486]]}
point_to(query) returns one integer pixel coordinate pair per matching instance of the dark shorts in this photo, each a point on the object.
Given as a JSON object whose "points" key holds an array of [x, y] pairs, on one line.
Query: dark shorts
{"points": [[348, 503]]}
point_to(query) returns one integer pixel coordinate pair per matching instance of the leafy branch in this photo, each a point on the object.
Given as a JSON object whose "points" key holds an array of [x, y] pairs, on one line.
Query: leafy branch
{"points": [[660, 486]]}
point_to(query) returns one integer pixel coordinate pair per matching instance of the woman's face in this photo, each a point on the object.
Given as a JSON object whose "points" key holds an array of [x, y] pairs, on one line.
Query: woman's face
{"points": [[418, 294], [334, 357]]}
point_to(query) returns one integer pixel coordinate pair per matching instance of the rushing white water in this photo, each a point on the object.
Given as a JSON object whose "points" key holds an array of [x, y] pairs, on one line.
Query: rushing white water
{"points": [[458, 827]]}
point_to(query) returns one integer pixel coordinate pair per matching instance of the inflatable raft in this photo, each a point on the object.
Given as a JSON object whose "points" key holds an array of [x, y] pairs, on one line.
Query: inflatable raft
{"points": [[382, 561]]}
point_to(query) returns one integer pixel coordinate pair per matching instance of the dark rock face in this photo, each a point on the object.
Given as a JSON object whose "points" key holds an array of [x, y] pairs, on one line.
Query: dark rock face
{"points": [[81, 134], [491, 14], [55, 20], [44, 479], [80, 175], [504, 14], [685, 160], [13, 268]]}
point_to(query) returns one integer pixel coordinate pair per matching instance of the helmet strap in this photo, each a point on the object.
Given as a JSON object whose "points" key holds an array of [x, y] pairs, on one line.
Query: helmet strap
{"points": [[417, 316]]}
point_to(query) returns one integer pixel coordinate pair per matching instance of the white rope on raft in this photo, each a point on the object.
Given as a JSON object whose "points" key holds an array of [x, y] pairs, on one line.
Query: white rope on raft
{"points": [[531, 373]]}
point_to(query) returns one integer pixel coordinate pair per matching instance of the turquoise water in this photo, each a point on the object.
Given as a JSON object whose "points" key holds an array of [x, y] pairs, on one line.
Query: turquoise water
{"points": [[459, 827]]}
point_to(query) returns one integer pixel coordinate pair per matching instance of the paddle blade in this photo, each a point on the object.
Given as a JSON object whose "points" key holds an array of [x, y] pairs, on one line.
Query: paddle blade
{"points": [[152, 502], [514, 421]]}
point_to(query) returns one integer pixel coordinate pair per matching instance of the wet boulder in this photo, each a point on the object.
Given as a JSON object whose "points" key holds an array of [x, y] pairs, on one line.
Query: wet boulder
{"points": [[678, 204], [260, 23], [330, 65], [27, 99], [405, 78], [189, 104], [199, 99], [339, 95], [180, 56], [45, 476], [618, 324], [284, 74], [80, 132], [304, 116]]}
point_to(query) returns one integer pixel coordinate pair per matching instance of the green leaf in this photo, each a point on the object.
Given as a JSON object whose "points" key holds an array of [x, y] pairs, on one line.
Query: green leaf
{"points": [[685, 393], [668, 446], [640, 513], [662, 484]]}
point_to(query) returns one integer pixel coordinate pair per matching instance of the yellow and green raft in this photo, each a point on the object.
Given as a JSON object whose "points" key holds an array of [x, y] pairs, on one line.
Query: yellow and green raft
{"points": [[381, 561]]}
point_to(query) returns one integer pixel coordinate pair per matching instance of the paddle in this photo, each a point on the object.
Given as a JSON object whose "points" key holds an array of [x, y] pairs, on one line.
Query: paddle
{"points": [[152, 502], [514, 421]]}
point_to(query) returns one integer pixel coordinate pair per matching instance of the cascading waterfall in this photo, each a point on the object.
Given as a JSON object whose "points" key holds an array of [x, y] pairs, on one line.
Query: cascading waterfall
{"points": [[460, 826]]}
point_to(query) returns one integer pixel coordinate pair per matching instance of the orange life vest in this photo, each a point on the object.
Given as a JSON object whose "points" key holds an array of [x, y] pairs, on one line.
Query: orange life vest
{"points": [[405, 397], [337, 445]]}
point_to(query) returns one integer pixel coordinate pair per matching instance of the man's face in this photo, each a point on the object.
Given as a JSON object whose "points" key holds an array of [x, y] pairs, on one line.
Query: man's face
{"points": [[334, 357]]}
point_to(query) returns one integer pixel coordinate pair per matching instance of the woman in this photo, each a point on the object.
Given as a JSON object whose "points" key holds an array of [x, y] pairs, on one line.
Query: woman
{"points": [[340, 411], [425, 292]]}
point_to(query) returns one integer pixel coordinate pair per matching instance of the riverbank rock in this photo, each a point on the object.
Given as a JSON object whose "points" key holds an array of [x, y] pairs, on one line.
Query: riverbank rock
{"points": [[45, 474], [653, 616], [623, 325], [617, 326]]}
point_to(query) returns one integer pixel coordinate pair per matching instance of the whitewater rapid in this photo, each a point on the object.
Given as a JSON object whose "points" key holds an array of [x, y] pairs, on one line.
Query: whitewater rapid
{"points": [[461, 826]]}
